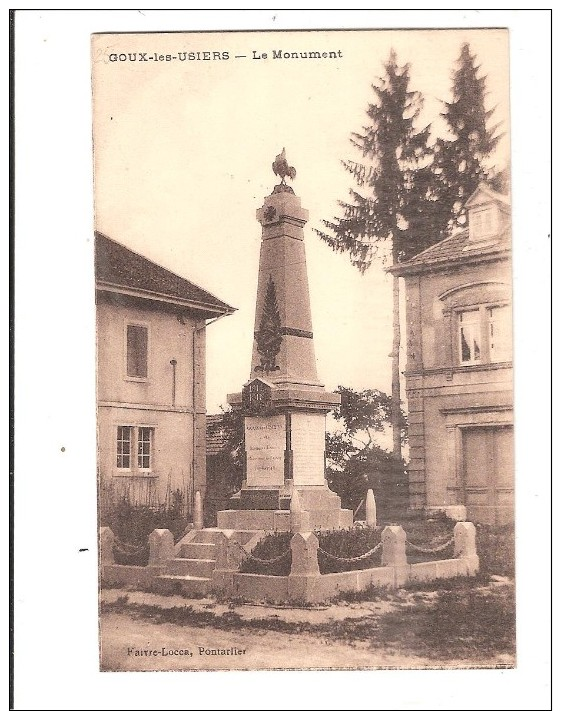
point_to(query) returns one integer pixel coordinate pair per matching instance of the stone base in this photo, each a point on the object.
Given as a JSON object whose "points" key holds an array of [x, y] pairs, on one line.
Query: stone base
{"points": [[455, 513], [257, 499], [323, 505], [280, 520]]}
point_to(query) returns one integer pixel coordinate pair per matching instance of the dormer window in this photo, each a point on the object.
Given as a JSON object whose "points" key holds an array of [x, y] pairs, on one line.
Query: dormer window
{"points": [[487, 215], [482, 223]]}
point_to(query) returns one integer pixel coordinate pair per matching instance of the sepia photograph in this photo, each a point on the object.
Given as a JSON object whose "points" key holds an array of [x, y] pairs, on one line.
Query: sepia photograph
{"points": [[304, 350], [280, 359]]}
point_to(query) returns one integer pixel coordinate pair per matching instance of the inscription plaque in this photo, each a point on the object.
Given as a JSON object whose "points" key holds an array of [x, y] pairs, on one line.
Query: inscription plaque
{"points": [[265, 440], [308, 449]]}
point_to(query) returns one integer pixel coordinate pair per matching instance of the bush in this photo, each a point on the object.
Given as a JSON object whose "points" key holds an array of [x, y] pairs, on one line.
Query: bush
{"points": [[132, 524], [495, 547], [346, 543], [270, 548], [371, 468], [349, 543]]}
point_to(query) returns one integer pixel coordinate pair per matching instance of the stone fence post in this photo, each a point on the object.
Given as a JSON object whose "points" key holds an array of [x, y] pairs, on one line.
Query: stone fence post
{"points": [[464, 546], [370, 509], [198, 519], [228, 560], [304, 571], [106, 542], [299, 519], [393, 553], [161, 546], [393, 546]]}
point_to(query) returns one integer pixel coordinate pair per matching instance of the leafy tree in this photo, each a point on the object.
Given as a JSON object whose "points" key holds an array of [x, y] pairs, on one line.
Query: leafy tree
{"points": [[231, 428], [355, 460], [461, 160], [394, 201], [371, 468], [366, 412]]}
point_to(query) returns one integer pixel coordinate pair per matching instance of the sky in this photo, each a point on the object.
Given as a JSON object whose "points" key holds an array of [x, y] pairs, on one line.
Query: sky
{"points": [[183, 153]]}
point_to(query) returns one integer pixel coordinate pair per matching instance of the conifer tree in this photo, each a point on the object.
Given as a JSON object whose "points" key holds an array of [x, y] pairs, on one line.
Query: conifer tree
{"points": [[461, 160], [393, 200]]}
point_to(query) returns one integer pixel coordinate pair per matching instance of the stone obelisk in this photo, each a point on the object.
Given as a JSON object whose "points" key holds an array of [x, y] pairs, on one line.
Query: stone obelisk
{"points": [[284, 403]]}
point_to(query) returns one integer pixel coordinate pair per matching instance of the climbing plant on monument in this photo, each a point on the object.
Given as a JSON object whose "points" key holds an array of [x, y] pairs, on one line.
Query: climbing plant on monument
{"points": [[269, 337]]}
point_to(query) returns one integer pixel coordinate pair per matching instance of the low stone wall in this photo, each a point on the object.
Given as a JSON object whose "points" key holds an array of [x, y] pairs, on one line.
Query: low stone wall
{"points": [[134, 576], [305, 582], [270, 587], [161, 546]]}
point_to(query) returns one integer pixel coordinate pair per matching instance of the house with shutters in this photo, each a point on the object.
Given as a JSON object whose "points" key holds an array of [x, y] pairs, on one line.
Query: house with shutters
{"points": [[151, 329], [459, 378]]}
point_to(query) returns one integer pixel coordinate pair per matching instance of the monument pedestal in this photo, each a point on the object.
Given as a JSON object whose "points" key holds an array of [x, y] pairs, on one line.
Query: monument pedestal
{"points": [[323, 505]]}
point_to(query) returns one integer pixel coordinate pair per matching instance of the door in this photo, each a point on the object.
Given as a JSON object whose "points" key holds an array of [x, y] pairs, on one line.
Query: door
{"points": [[488, 474]]}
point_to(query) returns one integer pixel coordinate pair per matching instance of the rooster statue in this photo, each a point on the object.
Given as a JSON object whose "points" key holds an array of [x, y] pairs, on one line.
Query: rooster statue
{"points": [[282, 169]]}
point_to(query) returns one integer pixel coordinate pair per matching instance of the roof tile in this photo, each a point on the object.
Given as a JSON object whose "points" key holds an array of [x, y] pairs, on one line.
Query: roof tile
{"points": [[119, 266], [453, 248], [216, 437]]}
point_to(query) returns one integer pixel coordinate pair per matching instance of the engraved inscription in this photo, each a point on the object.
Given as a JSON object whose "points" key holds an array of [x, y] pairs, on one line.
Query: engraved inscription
{"points": [[308, 449], [264, 445]]}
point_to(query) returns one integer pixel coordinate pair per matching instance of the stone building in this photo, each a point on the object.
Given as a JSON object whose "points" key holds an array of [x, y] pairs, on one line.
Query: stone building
{"points": [[151, 331], [459, 379]]}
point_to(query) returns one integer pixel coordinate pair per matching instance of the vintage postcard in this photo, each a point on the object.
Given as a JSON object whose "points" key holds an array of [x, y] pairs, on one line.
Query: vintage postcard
{"points": [[305, 418]]}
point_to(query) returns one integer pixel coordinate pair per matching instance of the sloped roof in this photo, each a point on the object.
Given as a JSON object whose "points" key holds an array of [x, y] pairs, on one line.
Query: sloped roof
{"points": [[457, 248], [121, 269], [453, 249], [483, 190], [216, 436]]}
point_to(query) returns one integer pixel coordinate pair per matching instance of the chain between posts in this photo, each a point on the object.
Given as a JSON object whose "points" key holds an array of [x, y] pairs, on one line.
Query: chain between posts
{"points": [[430, 550], [262, 560], [356, 558], [342, 559], [121, 547]]}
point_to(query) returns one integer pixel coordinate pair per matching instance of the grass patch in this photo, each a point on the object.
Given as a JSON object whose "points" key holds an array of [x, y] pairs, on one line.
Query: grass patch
{"points": [[459, 624], [372, 593], [459, 582]]}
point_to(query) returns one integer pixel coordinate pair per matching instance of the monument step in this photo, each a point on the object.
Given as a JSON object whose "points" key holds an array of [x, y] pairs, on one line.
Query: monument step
{"points": [[206, 535], [188, 585], [197, 550], [264, 520], [195, 567]]}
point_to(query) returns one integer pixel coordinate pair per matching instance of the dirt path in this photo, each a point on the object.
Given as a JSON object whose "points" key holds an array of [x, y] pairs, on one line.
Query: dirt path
{"points": [[261, 649], [138, 634]]}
